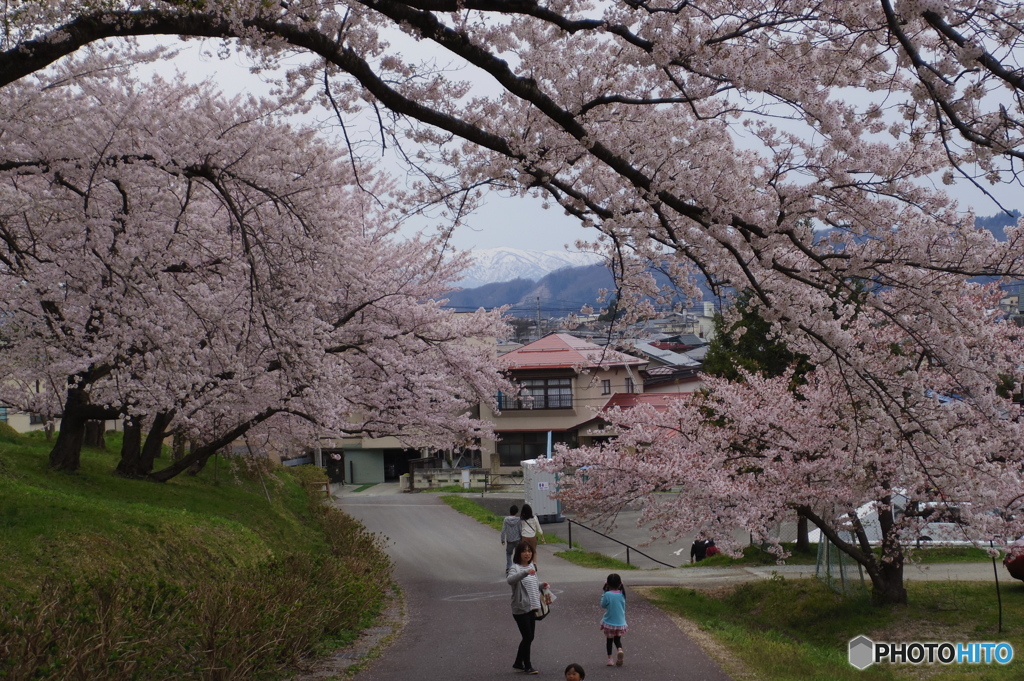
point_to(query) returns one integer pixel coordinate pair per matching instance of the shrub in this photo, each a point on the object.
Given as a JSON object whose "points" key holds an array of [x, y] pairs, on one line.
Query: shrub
{"points": [[8, 434]]}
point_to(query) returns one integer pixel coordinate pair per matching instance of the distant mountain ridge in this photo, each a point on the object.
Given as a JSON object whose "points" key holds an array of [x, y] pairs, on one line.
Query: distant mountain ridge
{"points": [[492, 265], [559, 283], [558, 294]]}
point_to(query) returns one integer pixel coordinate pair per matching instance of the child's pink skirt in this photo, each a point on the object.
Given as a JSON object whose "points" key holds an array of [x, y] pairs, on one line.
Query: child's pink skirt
{"points": [[612, 631]]}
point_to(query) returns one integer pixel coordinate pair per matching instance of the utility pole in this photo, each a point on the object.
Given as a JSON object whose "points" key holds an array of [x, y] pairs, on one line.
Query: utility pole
{"points": [[538, 317]]}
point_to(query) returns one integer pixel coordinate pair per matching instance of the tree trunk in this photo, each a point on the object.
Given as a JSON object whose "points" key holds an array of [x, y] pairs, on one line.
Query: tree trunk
{"points": [[66, 454], [199, 455], [889, 589], [888, 585], [94, 435], [155, 440], [130, 465], [198, 466], [886, 576], [178, 447], [803, 541]]}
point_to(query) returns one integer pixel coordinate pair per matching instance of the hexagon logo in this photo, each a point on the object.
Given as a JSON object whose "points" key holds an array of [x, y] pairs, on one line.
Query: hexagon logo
{"points": [[862, 652]]}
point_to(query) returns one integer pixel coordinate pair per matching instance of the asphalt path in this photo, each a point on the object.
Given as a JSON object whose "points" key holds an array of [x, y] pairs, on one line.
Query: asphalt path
{"points": [[459, 622]]}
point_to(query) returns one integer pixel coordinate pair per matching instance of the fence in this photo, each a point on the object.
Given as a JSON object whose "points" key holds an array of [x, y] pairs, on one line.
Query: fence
{"points": [[430, 477], [621, 543]]}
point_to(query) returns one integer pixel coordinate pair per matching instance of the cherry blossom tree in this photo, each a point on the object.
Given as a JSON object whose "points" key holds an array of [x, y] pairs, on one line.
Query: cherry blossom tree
{"points": [[190, 262], [709, 135], [748, 453]]}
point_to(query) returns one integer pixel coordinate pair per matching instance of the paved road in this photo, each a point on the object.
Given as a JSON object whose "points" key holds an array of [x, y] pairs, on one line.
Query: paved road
{"points": [[460, 626], [451, 569]]}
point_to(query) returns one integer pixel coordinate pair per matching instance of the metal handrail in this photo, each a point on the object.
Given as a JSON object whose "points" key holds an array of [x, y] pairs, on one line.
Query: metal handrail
{"points": [[628, 547], [513, 480]]}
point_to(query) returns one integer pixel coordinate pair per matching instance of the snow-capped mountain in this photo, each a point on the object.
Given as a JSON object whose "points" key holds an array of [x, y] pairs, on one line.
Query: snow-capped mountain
{"points": [[505, 264]]}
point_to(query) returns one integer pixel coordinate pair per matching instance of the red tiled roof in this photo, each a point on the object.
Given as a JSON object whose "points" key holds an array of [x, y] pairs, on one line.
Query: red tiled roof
{"points": [[562, 351]]}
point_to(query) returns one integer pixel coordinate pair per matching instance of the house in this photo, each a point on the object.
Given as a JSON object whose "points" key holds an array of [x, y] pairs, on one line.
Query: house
{"points": [[358, 459], [697, 322], [669, 370], [598, 430], [565, 382], [673, 379], [22, 421]]}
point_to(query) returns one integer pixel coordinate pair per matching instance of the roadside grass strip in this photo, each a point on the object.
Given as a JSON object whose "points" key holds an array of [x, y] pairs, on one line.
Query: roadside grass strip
{"points": [[593, 559], [477, 512], [789, 630]]}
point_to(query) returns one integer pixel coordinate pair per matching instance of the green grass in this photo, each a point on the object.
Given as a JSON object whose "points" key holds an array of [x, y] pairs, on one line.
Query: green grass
{"points": [[474, 510], [49, 519], [785, 630], [477, 512], [950, 554], [592, 559], [754, 555], [136, 578]]}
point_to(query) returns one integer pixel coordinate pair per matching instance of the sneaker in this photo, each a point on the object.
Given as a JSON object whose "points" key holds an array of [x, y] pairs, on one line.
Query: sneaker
{"points": [[619, 658], [530, 670], [519, 667], [611, 661]]}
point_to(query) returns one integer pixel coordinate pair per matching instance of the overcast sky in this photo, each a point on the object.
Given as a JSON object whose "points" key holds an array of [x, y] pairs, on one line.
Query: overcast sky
{"points": [[502, 221]]}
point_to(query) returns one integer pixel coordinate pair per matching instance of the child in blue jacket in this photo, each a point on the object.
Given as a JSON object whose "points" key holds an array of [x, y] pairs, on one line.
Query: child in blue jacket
{"points": [[613, 624]]}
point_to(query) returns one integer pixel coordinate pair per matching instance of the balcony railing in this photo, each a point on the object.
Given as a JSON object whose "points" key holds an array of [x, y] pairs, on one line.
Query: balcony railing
{"points": [[516, 402]]}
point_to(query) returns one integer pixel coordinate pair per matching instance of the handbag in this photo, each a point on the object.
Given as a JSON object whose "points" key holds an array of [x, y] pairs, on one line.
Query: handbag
{"points": [[546, 598]]}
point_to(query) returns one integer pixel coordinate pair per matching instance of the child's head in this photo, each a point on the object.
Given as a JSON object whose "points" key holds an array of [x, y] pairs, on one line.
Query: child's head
{"points": [[513, 510], [574, 672], [613, 583]]}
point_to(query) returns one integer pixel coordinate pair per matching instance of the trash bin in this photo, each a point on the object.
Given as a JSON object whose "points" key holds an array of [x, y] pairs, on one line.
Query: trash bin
{"points": [[538, 490]]}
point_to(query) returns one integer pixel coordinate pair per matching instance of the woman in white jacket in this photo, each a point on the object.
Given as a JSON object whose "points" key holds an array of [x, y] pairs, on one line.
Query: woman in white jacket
{"points": [[522, 577], [530, 529]]}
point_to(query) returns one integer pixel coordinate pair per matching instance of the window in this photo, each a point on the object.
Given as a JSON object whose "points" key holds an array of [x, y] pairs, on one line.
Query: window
{"points": [[514, 448], [630, 388], [3, 414], [36, 419], [606, 387], [539, 393]]}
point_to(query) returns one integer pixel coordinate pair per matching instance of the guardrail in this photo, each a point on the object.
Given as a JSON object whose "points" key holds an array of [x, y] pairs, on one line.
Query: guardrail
{"points": [[622, 543]]}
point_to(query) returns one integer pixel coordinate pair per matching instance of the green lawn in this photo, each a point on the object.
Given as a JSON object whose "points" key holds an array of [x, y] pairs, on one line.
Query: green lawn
{"points": [[788, 630], [128, 579], [753, 555], [593, 559], [469, 507]]}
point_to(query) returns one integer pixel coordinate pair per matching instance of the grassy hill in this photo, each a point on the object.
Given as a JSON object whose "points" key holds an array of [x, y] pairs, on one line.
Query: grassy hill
{"points": [[233, 573]]}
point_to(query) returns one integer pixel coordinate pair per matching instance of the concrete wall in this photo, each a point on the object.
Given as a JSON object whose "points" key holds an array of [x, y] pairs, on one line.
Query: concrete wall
{"points": [[21, 421], [427, 478]]}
